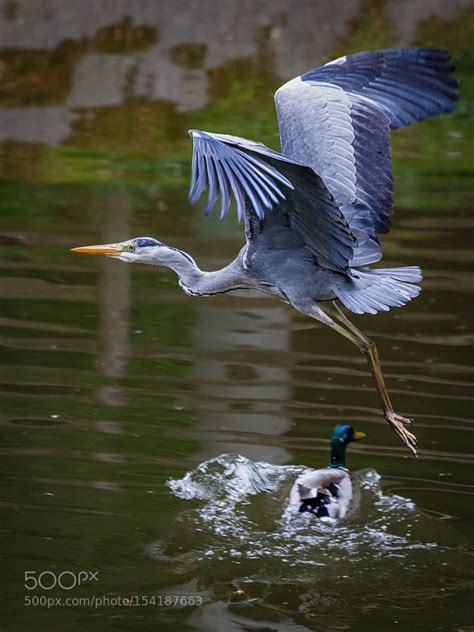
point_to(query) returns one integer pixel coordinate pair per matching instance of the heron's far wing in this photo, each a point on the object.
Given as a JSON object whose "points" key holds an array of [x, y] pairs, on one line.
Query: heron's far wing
{"points": [[337, 119], [269, 181]]}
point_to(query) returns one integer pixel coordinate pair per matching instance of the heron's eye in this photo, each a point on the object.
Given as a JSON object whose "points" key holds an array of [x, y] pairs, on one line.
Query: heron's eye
{"points": [[131, 247]]}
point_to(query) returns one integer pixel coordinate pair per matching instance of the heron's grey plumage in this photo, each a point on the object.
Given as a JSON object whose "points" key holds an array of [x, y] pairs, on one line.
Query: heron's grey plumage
{"points": [[313, 213], [328, 196], [337, 119], [271, 190], [301, 245]]}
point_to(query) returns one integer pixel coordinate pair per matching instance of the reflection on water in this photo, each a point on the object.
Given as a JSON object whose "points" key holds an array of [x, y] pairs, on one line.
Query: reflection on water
{"points": [[114, 299], [113, 381], [224, 330]]}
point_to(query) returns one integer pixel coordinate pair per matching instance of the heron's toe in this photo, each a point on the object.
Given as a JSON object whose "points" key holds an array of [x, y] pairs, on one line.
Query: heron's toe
{"points": [[399, 423]]}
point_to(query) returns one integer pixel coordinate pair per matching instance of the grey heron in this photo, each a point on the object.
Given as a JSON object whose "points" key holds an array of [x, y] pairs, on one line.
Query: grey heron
{"points": [[314, 212]]}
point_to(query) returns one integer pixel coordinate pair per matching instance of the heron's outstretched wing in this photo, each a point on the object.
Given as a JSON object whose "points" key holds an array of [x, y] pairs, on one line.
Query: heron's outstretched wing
{"points": [[264, 182], [337, 120]]}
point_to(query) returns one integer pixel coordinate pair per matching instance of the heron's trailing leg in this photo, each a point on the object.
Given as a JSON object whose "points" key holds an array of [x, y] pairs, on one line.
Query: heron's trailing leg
{"points": [[368, 348]]}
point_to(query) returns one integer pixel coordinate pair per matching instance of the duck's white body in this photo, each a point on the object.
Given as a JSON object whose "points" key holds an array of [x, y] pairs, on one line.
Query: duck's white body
{"points": [[326, 492]]}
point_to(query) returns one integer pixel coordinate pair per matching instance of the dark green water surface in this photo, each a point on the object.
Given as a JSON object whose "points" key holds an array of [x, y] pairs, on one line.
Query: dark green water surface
{"points": [[152, 438]]}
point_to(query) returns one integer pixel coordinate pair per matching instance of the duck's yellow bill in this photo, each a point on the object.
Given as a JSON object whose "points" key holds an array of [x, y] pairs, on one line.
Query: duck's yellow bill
{"points": [[359, 435], [101, 249]]}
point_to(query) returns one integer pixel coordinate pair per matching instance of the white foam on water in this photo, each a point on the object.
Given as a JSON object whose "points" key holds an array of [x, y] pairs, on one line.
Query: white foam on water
{"points": [[244, 505]]}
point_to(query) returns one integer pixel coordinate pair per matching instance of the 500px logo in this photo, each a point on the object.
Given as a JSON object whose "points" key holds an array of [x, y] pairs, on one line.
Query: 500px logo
{"points": [[67, 580]]}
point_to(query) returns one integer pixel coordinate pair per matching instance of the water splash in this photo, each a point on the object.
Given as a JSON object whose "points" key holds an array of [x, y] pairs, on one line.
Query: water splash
{"points": [[245, 509]]}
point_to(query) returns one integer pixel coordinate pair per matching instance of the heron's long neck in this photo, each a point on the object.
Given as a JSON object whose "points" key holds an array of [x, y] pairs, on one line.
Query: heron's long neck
{"points": [[197, 282]]}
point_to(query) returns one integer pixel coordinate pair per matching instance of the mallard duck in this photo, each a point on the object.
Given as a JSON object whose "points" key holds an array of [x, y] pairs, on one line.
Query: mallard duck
{"points": [[327, 492]]}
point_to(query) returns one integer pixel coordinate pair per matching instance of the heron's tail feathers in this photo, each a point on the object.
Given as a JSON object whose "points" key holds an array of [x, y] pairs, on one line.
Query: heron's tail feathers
{"points": [[371, 291]]}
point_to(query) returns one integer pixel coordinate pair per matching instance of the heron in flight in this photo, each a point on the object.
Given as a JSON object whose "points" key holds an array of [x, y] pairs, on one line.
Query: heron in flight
{"points": [[314, 212]]}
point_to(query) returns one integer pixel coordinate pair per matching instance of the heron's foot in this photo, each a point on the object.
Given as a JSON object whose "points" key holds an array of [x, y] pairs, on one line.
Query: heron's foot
{"points": [[406, 421], [399, 426]]}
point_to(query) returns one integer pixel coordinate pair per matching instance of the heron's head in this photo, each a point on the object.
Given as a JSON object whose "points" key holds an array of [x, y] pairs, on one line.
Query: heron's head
{"points": [[137, 250], [344, 434]]}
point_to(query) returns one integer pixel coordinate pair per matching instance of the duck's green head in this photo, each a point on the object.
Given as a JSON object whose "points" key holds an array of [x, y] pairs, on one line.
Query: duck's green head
{"points": [[341, 436]]}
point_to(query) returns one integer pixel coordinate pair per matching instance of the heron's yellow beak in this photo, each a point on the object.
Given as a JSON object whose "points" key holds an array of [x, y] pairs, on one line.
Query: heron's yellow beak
{"points": [[359, 435], [101, 249]]}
